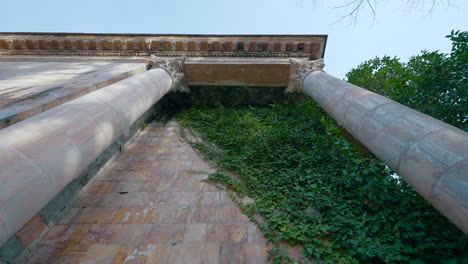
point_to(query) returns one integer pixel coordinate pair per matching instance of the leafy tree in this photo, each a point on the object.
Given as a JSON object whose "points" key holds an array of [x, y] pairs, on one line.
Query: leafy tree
{"points": [[431, 82]]}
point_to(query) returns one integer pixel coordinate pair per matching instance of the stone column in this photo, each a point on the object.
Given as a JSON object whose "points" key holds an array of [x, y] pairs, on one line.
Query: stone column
{"points": [[39, 156], [429, 154]]}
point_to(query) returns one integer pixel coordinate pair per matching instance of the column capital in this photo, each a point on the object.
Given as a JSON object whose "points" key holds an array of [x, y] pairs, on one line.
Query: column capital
{"points": [[175, 68], [298, 71]]}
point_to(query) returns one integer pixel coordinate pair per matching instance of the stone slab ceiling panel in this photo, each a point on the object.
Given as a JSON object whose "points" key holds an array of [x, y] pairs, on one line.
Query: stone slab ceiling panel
{"points": [[31, 87]]}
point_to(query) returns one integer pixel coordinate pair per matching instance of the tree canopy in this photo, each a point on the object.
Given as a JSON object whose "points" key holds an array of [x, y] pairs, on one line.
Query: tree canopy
{"points": [[432, 82]]}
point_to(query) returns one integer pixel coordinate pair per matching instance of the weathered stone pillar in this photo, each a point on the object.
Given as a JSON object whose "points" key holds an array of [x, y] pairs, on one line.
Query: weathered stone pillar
{"points": [[430, 155], [39, 156]]}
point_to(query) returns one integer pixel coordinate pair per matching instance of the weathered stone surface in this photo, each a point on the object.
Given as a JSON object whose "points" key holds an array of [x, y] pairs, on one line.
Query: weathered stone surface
{"points": [[175, 67], [32, 231], [429, 154], [30, 188], [238, 72], [49, 150], [12, 250], [200, 71], [29, 88], [299, 68], [298, 46], [174, 225]]}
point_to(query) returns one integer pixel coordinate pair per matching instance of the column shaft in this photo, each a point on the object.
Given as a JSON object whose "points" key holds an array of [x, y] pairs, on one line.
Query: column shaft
{"points": [[41, 155], [430, 155]]}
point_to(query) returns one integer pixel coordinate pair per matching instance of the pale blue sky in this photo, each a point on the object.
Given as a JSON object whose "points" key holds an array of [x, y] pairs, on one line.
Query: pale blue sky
{"points": [[397, 29]]}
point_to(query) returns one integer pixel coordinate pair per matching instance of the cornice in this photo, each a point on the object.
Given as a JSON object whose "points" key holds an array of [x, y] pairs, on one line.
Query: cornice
{"points": [[253, 46]]}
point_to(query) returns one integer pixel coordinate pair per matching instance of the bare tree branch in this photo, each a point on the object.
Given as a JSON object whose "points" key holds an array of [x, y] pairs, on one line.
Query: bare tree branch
{"points": [[356, 6], [353, 7]]}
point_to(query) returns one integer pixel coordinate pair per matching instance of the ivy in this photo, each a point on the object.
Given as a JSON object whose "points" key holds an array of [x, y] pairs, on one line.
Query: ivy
{"points": [[311, 187]]}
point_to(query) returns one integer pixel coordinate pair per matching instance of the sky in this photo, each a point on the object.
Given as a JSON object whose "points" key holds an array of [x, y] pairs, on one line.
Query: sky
{"points": [[397, 29]]}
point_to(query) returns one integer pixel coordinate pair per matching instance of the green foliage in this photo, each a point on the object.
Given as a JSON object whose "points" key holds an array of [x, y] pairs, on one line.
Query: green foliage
{"points": [[316, 190], [432, 82]]}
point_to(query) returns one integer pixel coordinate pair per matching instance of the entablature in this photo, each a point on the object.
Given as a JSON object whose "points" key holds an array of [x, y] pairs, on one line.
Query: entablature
{"points": [[229, 60], [163, 45]]}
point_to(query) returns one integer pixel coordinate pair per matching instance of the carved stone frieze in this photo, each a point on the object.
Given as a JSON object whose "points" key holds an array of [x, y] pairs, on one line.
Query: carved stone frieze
{"points": [[298, 71], [74, 44], [175, 67]]}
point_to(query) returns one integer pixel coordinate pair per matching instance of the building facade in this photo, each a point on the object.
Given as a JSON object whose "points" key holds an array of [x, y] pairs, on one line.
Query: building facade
{"points": [[69, 103]]}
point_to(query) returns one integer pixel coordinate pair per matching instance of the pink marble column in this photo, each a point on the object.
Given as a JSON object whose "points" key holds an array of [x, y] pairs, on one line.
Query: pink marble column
{"points": [[39, 156], [429, 154]]}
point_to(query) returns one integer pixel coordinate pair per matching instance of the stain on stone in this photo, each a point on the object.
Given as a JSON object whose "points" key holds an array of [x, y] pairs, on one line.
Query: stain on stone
{"points": [[300, 47], [7, 120], [289, 47], [11, 250], [4, 44], [240, 46]]}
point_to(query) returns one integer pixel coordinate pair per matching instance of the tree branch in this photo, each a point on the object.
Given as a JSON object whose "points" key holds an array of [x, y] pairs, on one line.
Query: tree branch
{"points": [[354, 6]]}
